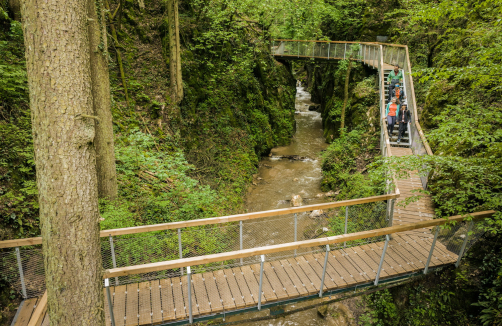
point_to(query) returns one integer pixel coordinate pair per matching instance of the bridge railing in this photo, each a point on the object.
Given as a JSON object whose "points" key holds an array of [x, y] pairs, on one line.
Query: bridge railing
{"points": [[259, 266], [22, 265]]}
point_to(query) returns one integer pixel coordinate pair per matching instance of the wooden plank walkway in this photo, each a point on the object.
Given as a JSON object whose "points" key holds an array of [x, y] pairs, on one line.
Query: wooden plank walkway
{"points": [[217, 291]]}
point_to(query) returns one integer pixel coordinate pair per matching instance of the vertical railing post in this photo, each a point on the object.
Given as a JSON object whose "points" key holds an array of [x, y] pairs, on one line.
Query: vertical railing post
{"points": [[329, 46], [273, 50], [390, 205], [189, 280], [432, 250], [180, 248], [364, 53], [345, 51], [324, 271], [114, 261], [377, 278], [313, 49], [298, 49], [346, 220], [240, 237], [296, 230], [110, 303], [21, 273], [460, 254], [262, 261]]}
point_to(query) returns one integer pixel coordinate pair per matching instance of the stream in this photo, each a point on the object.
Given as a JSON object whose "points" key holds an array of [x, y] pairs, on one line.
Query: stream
{"points": [[290, 170]]}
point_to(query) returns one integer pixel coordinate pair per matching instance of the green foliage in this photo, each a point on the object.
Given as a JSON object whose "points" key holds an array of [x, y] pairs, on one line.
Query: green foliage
{"points": [[342, 164]]}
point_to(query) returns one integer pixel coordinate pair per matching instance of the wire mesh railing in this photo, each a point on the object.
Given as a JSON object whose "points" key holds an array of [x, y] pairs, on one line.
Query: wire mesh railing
{"points": [[309, 269]]}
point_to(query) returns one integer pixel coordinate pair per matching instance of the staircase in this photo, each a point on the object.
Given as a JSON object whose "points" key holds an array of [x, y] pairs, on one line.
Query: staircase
{"points": [[405, 140]]}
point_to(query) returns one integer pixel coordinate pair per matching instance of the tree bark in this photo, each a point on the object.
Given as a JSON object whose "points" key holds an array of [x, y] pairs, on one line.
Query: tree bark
{"points": [[105, 149], [346, 94], [59, 80], [174, 52]]}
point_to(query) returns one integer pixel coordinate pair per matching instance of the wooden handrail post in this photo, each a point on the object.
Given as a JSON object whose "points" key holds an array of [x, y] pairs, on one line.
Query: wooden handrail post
{"points": [[432, 250], [110, 303], [377, 278], [262, 261], [326, 255]]}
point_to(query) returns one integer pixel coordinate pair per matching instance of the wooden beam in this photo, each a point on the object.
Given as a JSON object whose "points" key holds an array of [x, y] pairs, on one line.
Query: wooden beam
{"points": [[40, 310], [212, 220], [200, 260]]}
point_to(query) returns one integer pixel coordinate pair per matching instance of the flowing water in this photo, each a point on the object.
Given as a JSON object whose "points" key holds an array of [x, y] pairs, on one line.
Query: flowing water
{"points": [[294, 169]]}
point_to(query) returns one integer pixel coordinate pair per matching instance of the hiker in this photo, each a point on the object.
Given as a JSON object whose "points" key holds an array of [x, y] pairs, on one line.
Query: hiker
{"points": [[391, 112], [403, 117], [395, 77], [398, 93]]}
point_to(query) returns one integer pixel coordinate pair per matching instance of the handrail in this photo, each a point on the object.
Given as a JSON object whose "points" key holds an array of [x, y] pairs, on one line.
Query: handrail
{"points": [[201, 260], [39, 313], [212, 220], [417, 123], [351, 42]]}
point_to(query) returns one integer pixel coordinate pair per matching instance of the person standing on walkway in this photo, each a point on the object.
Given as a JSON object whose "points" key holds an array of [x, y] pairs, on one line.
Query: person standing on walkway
{"points": [[398, 93], [391, 112], [395, 77], [403, 118]]}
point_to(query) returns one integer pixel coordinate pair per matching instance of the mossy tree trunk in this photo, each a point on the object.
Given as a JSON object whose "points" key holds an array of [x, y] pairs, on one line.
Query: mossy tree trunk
{"points": [[59, 80], [346, 95], [174, 51], [105, 150]]}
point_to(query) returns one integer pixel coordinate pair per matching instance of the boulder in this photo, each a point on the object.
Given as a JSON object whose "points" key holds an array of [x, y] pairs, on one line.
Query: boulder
{"points": [[322, 310], [296, 200], [331, 193], [295, 179], [316, 213]]}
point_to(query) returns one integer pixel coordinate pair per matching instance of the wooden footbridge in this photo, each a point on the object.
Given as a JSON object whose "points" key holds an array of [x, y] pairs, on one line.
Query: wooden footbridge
{"points": [[178, 284]]}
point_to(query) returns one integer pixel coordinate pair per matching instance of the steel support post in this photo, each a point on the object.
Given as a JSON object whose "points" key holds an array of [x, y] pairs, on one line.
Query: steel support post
{"points": [[110, 303], [364, 54], [273, 50], [329, 46], [298, 49], [461, 253], [114, 261], [346, 220], [180, 248], [240, 237], [324, 270], [21, 273], [377, 278], [391, 211], [432, 250], [313, 49], [296, 230], [262, 261], [345, 51], [189, 280]]}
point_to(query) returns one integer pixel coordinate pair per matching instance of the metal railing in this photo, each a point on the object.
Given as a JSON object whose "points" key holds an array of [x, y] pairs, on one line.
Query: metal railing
{"points": [[436, 246], [22, 265]]}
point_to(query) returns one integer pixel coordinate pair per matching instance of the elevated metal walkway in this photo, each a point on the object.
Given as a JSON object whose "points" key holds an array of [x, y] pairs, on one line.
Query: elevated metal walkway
{"points": [[170, 274]]}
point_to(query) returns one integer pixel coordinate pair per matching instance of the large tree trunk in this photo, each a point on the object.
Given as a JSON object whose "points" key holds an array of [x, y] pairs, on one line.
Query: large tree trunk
{"points": [[105, 150], [59, 80], [174, 52], [346, 95]]}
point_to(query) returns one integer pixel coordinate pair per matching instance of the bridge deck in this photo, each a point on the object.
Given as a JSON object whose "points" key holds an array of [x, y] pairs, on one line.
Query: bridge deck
{"points": [[234, 288]]}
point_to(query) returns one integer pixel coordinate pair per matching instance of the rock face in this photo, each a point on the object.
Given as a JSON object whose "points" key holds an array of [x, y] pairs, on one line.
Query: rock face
{"points": [[315, 107], [296, 201], [316, 213]]}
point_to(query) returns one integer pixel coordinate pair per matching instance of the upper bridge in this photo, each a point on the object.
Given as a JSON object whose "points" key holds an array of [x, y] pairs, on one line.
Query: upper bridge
{"points": [[169, 273]]}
